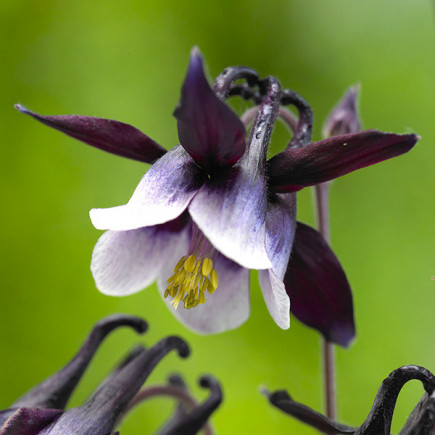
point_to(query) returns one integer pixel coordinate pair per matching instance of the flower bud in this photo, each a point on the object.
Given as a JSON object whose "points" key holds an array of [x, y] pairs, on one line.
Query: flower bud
{"points": [[344, 118]]}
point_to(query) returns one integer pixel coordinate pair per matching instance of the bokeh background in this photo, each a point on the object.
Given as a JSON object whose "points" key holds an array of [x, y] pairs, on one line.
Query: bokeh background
{"points": [[126, 61]]}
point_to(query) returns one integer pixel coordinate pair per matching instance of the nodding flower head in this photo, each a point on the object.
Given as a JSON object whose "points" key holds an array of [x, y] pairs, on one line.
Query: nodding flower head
{"points": [[213, 207]]}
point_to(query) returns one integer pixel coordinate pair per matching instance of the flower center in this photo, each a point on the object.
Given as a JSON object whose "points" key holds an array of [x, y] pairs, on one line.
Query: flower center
{"points": [[194, 273]]}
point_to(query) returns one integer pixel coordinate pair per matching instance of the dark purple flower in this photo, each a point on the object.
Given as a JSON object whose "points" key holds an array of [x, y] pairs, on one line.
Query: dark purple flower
{"points": [[42, 409], [212, 208]]}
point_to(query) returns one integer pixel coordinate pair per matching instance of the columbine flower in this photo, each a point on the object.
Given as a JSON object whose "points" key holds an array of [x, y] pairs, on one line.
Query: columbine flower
{"points": [[42, 409], [210, 209]]}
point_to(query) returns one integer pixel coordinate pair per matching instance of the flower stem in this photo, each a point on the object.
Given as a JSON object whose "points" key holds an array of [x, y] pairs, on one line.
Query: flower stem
{"points": [[329, 378], [328, 355], [322, 207]]}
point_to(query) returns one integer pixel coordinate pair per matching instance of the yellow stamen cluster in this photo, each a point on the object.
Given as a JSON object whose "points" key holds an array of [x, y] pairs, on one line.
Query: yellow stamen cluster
{"points": [[191, 279]]}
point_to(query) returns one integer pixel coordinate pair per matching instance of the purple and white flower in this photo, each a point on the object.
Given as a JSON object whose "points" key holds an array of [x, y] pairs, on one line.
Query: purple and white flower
{"points": [[213, 207]]}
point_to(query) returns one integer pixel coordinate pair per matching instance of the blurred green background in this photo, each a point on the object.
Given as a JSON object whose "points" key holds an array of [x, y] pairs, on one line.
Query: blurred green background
{"points": [[126, 61]]}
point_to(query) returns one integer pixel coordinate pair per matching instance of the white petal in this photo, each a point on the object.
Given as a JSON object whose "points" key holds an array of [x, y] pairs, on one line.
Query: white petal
{"points": [[276, 298], [162, 195], [227, 308], [280, 231], [231, 213], [125, 262]]}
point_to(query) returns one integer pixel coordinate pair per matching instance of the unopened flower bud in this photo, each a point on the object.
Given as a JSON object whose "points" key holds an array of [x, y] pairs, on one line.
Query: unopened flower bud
{"points": [[344, 117]]}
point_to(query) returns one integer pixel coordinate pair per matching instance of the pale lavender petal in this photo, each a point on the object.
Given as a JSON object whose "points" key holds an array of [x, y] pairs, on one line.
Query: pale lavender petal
{"points": [[280, 231], [125, 262], [276, 298], [227, 308], [230, 211], [162, 195]]}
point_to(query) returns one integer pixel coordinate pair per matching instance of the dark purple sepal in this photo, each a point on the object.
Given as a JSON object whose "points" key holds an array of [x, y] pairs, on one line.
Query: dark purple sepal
{"points": [[102, 410], [112, 136], [320, 295], [344, 118], [283, 401], [296, 168], [55, 391], [207, 128], [191, 422], [29, 421]]}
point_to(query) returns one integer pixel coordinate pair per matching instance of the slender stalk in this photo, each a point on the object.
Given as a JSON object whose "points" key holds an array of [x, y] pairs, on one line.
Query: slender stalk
{"points": [[322, 208], [162, 390], [328, 354]]}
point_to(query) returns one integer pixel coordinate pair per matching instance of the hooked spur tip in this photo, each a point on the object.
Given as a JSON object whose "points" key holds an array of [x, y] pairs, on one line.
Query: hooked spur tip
{"points": [[117, 320], [263, 390], [22, 109], [208, 381], [177, 343]]}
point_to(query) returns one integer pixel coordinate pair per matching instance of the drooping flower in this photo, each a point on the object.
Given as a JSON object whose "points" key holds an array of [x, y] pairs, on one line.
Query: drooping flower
{"points": [[212, 208], [42, 409]]}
